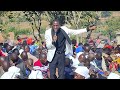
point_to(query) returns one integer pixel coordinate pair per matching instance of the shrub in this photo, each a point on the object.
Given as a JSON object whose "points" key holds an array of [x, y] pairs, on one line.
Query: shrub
{"points": [[17, 31]]}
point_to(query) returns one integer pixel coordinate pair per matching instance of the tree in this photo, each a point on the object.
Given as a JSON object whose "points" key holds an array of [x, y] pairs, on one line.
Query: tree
{"points": [[105, 14], [77, 19], [51, 15], [34, 17], [81, 19], [113, 26]]}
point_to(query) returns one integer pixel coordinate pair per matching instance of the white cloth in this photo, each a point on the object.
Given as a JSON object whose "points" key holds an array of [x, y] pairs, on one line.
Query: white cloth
{"points": [[44, 68], [35, 74], [113, 76], [36, 67], [20, 51], [84, 71], [78, 54], [100, 45], [12, 73], [74, 60], [118, 55], [51, 48]]}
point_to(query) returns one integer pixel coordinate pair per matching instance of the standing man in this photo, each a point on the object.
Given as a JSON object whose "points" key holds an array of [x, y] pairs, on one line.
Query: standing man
{"points": [[59, 44]]}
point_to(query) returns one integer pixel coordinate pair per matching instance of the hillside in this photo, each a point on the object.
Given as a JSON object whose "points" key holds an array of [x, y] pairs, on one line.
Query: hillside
{"points": [[19, 22]]}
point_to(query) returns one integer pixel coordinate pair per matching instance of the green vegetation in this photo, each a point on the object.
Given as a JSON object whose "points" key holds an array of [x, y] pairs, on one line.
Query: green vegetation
{"points": [[105, 14], [30, 22], [17, 31]]}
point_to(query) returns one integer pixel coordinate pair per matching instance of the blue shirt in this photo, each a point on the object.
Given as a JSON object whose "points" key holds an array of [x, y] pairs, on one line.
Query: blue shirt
{"points": [[32, 49], [79, 49]]}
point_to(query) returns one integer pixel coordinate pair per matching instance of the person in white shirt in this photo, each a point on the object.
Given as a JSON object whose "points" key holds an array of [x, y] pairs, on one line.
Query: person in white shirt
{"points": [[12, 73], [36, 73], [59, 44]]}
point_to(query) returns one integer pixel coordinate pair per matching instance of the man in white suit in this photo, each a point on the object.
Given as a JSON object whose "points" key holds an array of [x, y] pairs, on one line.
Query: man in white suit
{"points": [[59, 44]]}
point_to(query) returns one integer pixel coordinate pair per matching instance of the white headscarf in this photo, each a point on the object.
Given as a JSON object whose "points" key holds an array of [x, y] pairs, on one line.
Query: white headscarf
{"points": [[84, 71]]}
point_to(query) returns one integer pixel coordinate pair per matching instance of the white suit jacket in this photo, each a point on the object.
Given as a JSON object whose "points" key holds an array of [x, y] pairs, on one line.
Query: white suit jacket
{"points": [[51, 48]]}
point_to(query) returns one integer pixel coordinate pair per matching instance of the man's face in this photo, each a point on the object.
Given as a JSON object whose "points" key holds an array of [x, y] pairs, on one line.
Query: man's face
{"points": [[43, 60], [55, 26], [78, 76], [8, 48], [87, 48], [91, 57], [14, 58], [81, 58], [27, 49]]}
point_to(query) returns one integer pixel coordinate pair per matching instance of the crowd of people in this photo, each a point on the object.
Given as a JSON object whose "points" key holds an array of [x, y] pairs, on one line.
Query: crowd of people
{"points": [[24, 60], [95, 59]]}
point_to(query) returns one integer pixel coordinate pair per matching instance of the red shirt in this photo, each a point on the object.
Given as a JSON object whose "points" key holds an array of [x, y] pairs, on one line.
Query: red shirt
{"points": [[44, 71], [29, 41], [38, 63], [108, 46], [1, 54]]}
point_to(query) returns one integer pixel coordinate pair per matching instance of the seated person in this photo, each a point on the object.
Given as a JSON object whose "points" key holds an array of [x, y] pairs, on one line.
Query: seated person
{"points": [[68, 69], [43, 64]]}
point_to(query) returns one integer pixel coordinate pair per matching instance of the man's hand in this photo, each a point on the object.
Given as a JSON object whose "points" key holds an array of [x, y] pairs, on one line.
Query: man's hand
{"points": [[54, 38], [92, 27]]}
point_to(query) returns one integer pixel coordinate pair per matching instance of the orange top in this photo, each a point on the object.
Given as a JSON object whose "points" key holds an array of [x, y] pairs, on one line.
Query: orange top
{"points": [[29, 41]]}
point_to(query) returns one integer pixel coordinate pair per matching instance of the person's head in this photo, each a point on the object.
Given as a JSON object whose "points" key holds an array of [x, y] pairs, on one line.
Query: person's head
{"points": [[27, 48], [24, 43], [43, 58], [107, 51], [109, 59], [67, 62], [16, 51], [32, 42], [81, 73], [5, 45], [5, 65], [1, 46], [74, 42], [18, 37], [117, 50], [81, 58], [43, 43], [86, 48], [14, 57], [8, 48], [40, 49], [98, 56], [24, 56], [98, 37], [80, 44], [87, 63], [56, 25], [29, 63], [91, 56]]}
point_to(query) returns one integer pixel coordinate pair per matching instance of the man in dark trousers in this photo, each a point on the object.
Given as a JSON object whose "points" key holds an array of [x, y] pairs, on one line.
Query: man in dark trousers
{"points": [[59, 44]]}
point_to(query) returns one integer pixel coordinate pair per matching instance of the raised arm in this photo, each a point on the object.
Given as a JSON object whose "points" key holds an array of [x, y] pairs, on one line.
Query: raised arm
{"points": [[78, 31], [74, 31]]}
